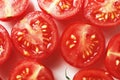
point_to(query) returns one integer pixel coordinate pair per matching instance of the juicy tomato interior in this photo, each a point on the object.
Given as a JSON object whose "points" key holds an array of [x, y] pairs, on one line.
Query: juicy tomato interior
{"points": [[113, 56], [31, 71], [60, 8], [103, 12], [35, 35], [2, 43], [11, 8], [5, 44], [82, 44], [90, 74]]}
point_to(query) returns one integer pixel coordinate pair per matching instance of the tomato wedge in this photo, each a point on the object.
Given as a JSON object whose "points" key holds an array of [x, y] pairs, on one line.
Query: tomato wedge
{"points": [[82, 44], [31, 70], [35, 36], [92, 74], [61, 9], [12, 8], [102, 12], [5, 45], [113, 56]]}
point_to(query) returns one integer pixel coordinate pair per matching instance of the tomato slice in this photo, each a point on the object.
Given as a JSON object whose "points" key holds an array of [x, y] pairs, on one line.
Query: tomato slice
{"points": [[60, 9], [35, 36], [82, 44], [31, 70], [12, 8], [113, 56], [103, 12], [5, 45], [92, 74]]}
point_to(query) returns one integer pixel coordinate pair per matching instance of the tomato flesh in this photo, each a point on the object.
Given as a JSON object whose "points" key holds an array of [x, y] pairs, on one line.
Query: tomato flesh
{"points": [[30, 70], [90, 74], [82, 44], [113, 56], [60, 9], [35, 35], [12, 8], [5, 45], [102, 12]]}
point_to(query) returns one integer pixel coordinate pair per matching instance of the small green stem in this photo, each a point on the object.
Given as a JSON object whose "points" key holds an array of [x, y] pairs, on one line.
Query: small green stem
{"points": [[67, 77]]}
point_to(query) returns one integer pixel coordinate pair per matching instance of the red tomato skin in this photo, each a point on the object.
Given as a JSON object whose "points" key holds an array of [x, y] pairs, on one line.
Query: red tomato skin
{"points": [[61, 15], [31, 17], [75, 61], [7, 45], [112, 55], [89, 5], [44, 72], [22, 8], [91, 73]]}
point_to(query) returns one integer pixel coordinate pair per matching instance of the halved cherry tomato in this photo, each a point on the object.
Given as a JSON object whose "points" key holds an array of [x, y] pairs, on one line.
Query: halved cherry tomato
{"points": [[31, 70], [12, 8], [82, 44], [92, 74], [103, 12], [61, 9], [36, 35], [113, 56], [5, 45]]}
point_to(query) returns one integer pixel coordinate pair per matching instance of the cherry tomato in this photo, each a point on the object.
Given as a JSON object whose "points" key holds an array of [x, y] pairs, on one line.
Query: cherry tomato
{"points": [[61, 9], [35, 36], [12, 8], [113, 56], [102, 12], [82, 44], [92, 74], [31, 70], [5, 45]]}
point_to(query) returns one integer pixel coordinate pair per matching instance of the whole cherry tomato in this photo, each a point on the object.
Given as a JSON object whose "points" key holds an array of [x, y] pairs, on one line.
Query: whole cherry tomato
{"points": [[61, 9], [31, 70], [12, 8], [112, 60], [92, 74], [102, 12], [5, 45], [35, 36], [82, 44]]}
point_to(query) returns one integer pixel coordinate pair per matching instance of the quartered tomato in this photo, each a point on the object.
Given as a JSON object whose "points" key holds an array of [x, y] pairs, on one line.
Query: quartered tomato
{"points": [[12, 8], [113, 56], [5, 45], [92, 74], [30, 70], [82, 44], [35, 36], [61, 9], [103, 12]]}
